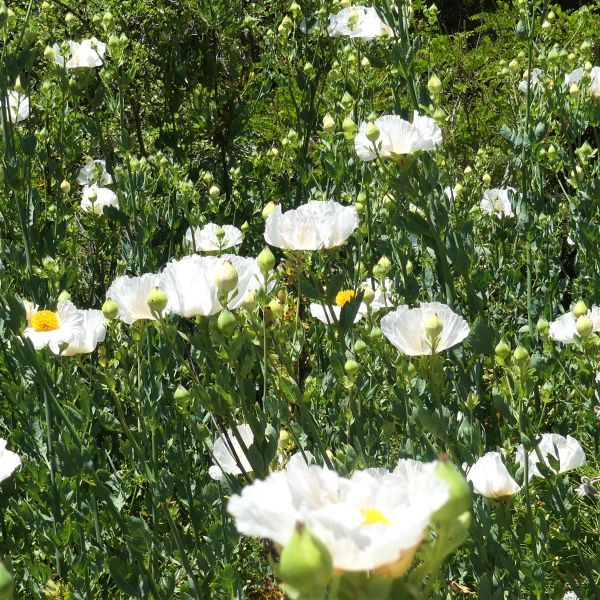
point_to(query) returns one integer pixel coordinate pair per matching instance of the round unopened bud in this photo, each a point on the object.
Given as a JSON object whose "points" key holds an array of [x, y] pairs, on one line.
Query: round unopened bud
{"points": [[521, 356], [360, 208], [65, 186], [245, 228], [64, 296], [351, 367], [207, 177], [546, 25], [365, 63], [502, 350], [220, 233], [308, 68], [368, 294], [588, 66], [328, 123], [459, 498], [458, 190], [433, 326], [214, 191], [385, 263], [283, 440], [226, 277], [348, 127], [18, 86], [584, 326], [46, 6], [434, 85], [439, 115], [347, 100], [286, 25], [551, 16], [554, 55], [573, 90], [69, 18], [107, 20], [249, 301], [580, 309], [305, 562], [375, 333], [295, 9], [468, 170], [226, 320], [265, 260], [551, 153], [181, 397], [513, 65], [360, 347], [49, 53], [268, 209], [542, 326], [276, 307], [92, 195], [110, 309], [157, 300], [487, 178], [372, 131]]}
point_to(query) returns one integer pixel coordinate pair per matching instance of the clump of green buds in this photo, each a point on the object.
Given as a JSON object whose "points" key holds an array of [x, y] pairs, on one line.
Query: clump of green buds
{"points": [[580, 309]]}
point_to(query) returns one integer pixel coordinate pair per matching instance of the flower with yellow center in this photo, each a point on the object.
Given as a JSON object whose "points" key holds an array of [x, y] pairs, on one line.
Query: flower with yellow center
{"points": [[56, 330], [343, 297], [45, 320]]}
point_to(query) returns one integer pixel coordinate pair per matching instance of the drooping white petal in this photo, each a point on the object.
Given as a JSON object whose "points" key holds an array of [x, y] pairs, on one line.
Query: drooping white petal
{"points": [[491, 478], [567, 450], [131, 293], [205, 239], [497, 202], [325, 313], [104, 198], [564, 329], [592, 79], [93, 332], [94, 173], [227, 452], [9, 461], [85, 54], [18, 106], [534, 80]]}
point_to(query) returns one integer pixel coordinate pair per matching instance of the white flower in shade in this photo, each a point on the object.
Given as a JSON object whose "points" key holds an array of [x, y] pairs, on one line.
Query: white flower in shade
{"points": [[373, 520], [82, 55], [53, 329], [405, 328], [315, 225], [534, 80], [570, 596], [227, 453], [9, 461], [17, 106], [205, 239], [191, 289], [497, 202], [383, 295], [103, 197], [567, 450], [130, 295], [358, 22], [564, 329], [398, 137], [93, 332], [592, 79], [491, 478], [94, 173]]}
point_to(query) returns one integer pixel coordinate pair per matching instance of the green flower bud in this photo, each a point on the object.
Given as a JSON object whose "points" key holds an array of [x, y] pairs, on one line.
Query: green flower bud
{"points": [[245, 228], [249, 301], [64, 296], [110, 309], [580, 309], [360, 347], [347, 100], [276, 307], [157, 300], [375, 333], [305, 562], [551, 152], [368, 294], [65, 186], [573, 90], [502, 350], [584, 326], [513, 65], [69, 18], [542, 326], [226, 277], [433, 326], [434, 85], [265, 260], [360, 208], [458, 190], [328, 124], [468, 170], [372, 132], [351, 367], [207, 177], [107, 20], [214, 192], [268, 209], [409, 267], [18, 86], [284, 440], [459, 500], [521, 356], [384, 263], [49, 53], [226, 321], [365, 63], [487, 178], [348, 127], [220, 233], [181, 398]]}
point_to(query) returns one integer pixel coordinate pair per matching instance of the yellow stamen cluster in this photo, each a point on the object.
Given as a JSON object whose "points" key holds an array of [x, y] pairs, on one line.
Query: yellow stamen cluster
{"points": [[45, 320], [372, 516], [343, 297]]}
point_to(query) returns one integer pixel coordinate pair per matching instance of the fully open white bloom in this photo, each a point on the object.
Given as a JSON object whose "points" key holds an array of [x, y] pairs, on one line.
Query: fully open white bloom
{"points": [[82, 55], [372, 520], [491, 478], [191, 289], [383, 294], [567, 450], [93, 332], [592, 78], [570, 596], [405, 328], [94, 173], [358, 22], [398, 137], [534, 80], [130, 295], [315, 225], [497, 202], [564, 329], [227, 448], [53, 329], [17, 106], [9, 461], [205, 239], [104, 197]]}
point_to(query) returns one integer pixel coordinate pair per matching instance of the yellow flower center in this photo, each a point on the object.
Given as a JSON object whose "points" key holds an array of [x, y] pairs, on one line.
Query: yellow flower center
{"points": [[342, 298], [372, 516], [45, 320]]}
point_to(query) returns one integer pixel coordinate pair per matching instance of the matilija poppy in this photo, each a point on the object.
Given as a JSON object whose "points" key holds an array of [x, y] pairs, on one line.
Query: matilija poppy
{"points": [[398, 137], [213, 237], [564, 329], [93, 332], [94, 173], [17, 106], [131, 296], [316, 225], [490, 477], [421, 331], [566, 450], [496, 201], [53, 329], [360, 22], [9, 461], [534, 80], [592, 79], [229, 455], [95, 199], [82, 55], [372, 521]]}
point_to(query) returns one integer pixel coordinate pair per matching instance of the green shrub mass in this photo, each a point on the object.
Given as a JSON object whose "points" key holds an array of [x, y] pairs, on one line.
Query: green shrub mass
{"points": [[206, 111]]}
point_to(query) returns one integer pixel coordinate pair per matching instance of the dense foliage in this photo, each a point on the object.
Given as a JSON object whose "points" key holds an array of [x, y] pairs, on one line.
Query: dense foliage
{"points": [[206, 111]]}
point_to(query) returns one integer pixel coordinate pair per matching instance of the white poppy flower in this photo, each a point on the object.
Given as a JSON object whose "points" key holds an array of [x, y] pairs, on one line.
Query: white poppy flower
{"points": [[491, 478], [564, 329], [497, 202], [331, 314], [53, 329], [17, 106], [534, 80], [300, 460], [205, 239], [130, 295], [367, 522], [9, 461], [567, 450], [30, 310], [82, 55], [104, 197], [358, 22], [405, 328], [94, 173], [593, 84], [398, 137], [570, 596], [93, 332], [225, 451], [383, 295], [316, 225]]}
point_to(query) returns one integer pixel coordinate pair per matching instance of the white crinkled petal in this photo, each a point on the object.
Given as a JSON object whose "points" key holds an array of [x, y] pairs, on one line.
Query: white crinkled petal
{"points": [[226, 451], [564, 329], [131, 293], [9, 461], [491, 478], [205, 239]]}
